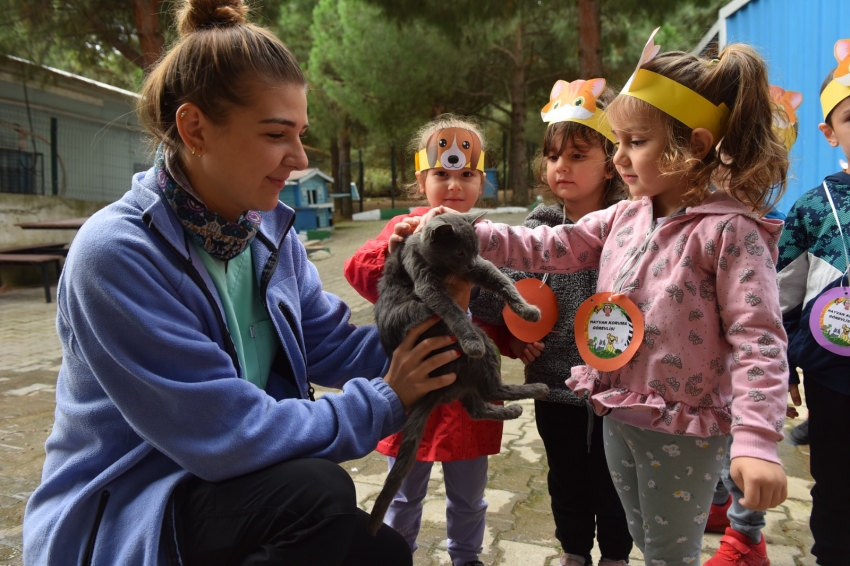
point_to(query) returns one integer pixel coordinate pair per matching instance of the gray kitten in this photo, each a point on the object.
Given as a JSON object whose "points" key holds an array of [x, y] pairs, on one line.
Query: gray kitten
{"points": [[412, 290]]}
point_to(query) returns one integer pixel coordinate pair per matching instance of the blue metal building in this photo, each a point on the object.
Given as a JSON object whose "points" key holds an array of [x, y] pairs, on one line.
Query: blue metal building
{"points": [[307, 193], [796, 38]]}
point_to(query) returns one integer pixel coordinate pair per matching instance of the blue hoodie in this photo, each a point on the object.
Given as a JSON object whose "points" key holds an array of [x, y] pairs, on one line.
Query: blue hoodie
{"points": [[150, 391]]}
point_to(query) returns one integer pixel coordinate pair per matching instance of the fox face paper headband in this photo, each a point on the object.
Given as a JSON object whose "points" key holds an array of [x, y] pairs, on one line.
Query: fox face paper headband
{"points": [[839, 87], [675, 99], [576, 102], [452, 149], [785, 118]]}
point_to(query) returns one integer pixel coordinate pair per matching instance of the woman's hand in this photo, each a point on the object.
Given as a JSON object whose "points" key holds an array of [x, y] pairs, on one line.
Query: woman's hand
{"points": [[764, 483], [409, 369], [526, 351], [401, 231]]}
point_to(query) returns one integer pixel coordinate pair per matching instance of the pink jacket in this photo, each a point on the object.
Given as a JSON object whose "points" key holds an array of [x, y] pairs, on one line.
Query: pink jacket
{"points": [[713, 358]]}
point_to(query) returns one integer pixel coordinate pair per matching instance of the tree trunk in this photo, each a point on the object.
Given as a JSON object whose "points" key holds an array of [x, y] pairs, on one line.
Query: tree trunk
{"points": [[517, 161], [344, 177], [335, 164], [151, 41], [589, 39]]}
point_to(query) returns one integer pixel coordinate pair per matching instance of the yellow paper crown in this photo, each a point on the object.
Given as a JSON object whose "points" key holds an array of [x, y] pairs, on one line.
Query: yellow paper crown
{"points": [[576, 102], [452, 149], [675, 99], [785, 117], [839, 87]]}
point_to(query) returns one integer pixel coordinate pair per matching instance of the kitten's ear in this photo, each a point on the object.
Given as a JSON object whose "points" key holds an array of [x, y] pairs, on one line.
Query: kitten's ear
{"points": [[474, 217], [442, 232]]}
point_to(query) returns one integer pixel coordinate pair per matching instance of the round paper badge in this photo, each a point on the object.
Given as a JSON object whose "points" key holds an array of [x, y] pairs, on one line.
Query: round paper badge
{"points": [[830, 320], [541, 296], [608, 330]]}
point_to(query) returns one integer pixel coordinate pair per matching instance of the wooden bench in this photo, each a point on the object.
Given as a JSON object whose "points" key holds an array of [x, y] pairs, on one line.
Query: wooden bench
{"points": [[34, 259], [49, 249]]}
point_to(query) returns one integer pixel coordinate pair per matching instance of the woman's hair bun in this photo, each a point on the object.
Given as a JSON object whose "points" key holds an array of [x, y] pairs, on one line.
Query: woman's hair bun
{"points": [[199, 15]]}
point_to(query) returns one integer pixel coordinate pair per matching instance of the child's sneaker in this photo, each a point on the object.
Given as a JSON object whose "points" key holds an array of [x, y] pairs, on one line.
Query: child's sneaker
{"points": [[613, 563], [568, 560], [736, 549], [799, 435], [717, 521]]}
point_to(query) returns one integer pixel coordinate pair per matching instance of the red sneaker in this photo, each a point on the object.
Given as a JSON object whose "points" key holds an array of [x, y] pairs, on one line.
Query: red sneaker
{"points": [[736, 549], [717, 521]]}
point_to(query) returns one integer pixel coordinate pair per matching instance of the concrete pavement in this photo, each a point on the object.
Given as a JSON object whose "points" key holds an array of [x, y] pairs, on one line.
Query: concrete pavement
{"points": [[520, 530]]}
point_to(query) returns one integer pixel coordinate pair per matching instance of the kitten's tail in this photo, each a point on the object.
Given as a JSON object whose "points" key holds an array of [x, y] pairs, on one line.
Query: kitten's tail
{"points": [[413, 430]]}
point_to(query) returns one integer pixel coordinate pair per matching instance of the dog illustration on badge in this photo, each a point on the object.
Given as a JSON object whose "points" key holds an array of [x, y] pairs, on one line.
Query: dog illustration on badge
{"points": [[453, 149]]}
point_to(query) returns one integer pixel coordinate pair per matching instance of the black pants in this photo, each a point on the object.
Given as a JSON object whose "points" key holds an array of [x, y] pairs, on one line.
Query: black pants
{"points": [[829, 429], [584, 499], [293, 513]]}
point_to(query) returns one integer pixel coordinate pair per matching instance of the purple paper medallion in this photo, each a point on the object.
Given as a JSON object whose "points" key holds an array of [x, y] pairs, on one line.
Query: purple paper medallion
{"points": [[830, 320]]}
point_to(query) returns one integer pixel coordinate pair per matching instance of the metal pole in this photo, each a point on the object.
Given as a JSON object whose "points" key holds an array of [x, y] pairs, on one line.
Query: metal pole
{"points": [[392, 186], [362, 186], [54, 155]]}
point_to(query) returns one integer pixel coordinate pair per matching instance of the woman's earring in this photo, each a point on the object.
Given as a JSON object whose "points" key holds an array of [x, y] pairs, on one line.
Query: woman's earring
{"points": [[200, 152], [183, 114], [193, 150]]}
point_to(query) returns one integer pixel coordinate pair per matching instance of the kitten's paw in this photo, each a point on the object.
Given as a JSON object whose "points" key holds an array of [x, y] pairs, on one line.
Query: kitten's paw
{"points": [[527, 312], [512, 411], [539, 390], [473, 347]]}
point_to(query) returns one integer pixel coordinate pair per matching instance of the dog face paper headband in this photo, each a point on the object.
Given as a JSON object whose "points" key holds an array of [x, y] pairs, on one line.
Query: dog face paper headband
{"points": [[576, 102], [839, 87], [675, 99], [452, 149], [784, 123]]}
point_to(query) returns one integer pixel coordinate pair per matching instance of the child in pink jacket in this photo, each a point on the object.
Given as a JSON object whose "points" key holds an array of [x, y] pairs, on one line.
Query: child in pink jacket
{"points": [[696, 265]]}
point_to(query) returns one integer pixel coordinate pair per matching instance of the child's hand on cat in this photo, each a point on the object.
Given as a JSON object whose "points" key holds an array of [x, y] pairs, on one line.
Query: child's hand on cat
{"points": [[764, 483], [526, 351], [401, 231], [436, 211], [409, 369]]}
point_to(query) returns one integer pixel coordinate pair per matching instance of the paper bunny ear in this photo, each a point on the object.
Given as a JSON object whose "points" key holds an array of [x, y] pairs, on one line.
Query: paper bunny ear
{"points": [[650, 50], [673, 98]]}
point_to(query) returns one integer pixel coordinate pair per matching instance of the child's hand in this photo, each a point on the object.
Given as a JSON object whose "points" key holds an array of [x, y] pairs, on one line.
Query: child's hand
{"points": [[526, 351], [764, 483], [436, 211], [410, 366], [401, 231], [790, 411]]}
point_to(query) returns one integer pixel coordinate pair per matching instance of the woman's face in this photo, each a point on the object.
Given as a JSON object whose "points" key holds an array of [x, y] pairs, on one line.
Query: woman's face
{"points": [[246, 161]]}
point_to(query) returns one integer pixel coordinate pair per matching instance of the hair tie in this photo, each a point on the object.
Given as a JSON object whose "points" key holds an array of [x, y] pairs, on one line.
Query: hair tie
{"points": [[713, 62]]}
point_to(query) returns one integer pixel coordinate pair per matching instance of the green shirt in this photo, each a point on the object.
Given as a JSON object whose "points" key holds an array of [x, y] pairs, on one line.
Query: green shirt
{"points": [[248, 322]]}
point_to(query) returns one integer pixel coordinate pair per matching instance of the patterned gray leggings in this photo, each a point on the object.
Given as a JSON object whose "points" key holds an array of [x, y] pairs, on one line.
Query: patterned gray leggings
{"points": [[666, 484]]}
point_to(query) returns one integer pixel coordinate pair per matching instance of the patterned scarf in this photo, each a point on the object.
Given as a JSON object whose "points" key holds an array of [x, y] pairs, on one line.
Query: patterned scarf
{"points": [[221, 238]]}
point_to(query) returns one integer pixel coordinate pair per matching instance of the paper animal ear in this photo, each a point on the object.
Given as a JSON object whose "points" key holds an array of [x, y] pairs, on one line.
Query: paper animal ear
{"points": [[474, 217], [557, 89], [432, 149], [596, 86], [650, 50], [796, 99], [842, 49]]}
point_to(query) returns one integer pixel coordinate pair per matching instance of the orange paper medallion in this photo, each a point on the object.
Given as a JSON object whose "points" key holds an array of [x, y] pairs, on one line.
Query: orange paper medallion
{"points": [[541, 296], [608, 330]]}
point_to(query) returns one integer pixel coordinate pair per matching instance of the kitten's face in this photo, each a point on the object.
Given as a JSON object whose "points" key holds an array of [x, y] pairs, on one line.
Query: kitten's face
{"points": [[450, 244]]}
